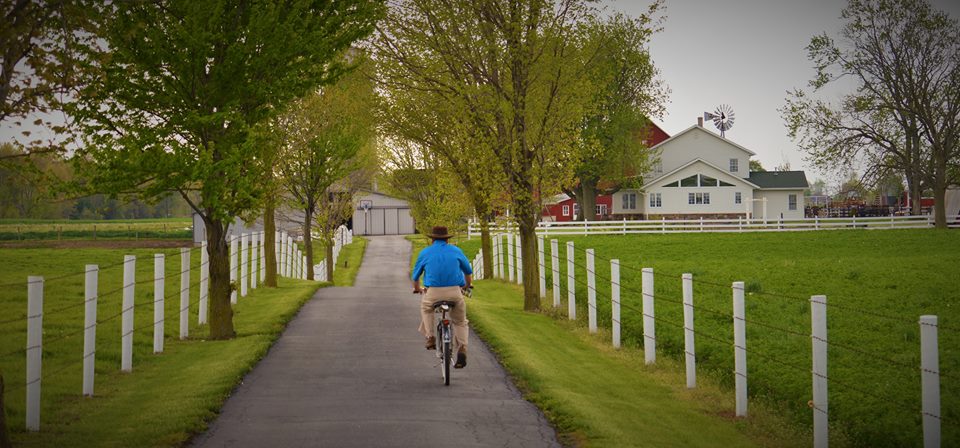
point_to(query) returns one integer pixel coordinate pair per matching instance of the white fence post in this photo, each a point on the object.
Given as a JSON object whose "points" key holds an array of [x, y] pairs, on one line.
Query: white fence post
{"points": [[649, 329], [818, 323], [591, 292], [254, 246], [292, 263], [204, 284], [555, 264], [263, 255], [234, 258], [930, 381], [278, 258], [303, 267], [159, 277], [542, 267], [571, 284], [244, 266], [282, 255], [689, 346], [90, 326], [519, 260], [740, 349], [510, 264], [34, 350], [126, 330], [615, 301], [498, 260], [184, 292]]}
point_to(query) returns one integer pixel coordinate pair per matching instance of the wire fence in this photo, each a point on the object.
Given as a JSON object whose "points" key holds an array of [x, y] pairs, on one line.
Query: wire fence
{"points": [[892, 366], [246, 257]]}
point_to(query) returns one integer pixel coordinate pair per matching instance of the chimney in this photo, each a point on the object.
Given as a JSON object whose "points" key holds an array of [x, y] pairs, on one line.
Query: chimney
{"points": [[700, 121]]}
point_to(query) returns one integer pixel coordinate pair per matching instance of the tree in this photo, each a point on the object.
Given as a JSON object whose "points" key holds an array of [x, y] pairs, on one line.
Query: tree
{"points": [[519, 68], [905, 113], [755, 166], [322, 138], [39, 59], [181, 92], [629, 92], [424, 114]]}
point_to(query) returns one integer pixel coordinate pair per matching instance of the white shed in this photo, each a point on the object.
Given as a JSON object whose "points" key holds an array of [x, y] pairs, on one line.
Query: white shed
{"points": [[379, 214]]}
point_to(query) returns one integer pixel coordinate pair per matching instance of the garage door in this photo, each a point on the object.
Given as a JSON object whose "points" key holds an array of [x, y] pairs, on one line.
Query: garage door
{"points": [[383, 221]]}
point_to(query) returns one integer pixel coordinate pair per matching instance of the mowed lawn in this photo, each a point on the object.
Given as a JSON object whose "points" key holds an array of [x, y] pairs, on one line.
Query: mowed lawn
{"points": [[167, 397], [877, 285]]}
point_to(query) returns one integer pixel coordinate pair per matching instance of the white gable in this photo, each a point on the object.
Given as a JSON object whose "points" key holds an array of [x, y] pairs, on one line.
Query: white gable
{"points": [[698, 143]]}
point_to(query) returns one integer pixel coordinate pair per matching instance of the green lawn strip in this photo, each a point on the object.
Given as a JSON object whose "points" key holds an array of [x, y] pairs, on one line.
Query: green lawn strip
{"points": [[900, 273], [600, 397], [171, 396], [178, 228], [259, 318], [348, 264]]}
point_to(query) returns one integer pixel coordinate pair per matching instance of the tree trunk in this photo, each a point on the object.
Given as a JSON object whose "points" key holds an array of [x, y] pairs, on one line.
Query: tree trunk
{"points": [[270, 245], [486, 245], [587, 200], [4, 434], [528, 248], [940, 196], [221, 312], [329, 241], [308, 240], [913, 189]]}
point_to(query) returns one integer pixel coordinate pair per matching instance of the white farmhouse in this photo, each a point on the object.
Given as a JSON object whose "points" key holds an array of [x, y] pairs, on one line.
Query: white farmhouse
{"points": [[701, 174]]}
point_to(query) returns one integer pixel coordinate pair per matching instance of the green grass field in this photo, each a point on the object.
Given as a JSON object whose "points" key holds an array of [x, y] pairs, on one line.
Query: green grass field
{"points": [[877, 284], [25, 230], [168, 396]]}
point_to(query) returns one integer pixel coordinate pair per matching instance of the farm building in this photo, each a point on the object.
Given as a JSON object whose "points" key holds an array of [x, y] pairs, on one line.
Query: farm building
{"points": [[701, 174], [563, 208], [380, 214]]}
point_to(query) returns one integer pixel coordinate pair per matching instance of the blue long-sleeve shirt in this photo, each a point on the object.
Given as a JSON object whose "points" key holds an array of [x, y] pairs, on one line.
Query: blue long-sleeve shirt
{"points": [[441, 264]]}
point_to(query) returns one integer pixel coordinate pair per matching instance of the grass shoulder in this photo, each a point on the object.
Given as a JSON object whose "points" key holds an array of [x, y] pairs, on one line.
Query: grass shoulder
{"points": [[598, 396]]}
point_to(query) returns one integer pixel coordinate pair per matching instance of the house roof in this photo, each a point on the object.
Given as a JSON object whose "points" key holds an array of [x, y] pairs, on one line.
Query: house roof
{"points": [[779, 179], [701, 129], [721, 171]]}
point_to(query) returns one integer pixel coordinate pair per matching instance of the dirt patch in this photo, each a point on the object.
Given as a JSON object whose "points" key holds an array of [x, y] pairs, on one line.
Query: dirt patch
{"points": [[96, 244]]}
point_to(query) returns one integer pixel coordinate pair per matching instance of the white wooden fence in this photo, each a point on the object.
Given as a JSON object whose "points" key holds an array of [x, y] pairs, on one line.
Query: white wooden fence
{"points": [[929, 359], [624, 227], [246, 266]]}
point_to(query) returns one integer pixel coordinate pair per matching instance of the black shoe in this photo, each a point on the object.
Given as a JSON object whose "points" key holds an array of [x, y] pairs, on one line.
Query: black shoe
{"points": [[461, 361], [431, 343]]}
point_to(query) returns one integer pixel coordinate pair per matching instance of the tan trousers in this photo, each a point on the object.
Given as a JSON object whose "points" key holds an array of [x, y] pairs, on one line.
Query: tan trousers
{"points": [[458, 314]]}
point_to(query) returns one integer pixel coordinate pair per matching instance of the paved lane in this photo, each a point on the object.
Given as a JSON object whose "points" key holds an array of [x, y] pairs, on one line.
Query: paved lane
{"points": [[351, 371]]}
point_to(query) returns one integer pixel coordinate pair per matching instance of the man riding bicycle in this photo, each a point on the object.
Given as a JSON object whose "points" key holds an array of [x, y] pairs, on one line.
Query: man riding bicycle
{"points": [[445, 271]]}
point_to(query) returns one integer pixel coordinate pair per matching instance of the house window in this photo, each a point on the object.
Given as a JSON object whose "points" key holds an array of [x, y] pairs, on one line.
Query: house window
{"points": [[698, 180], [566, 210], [698, 198], [576, 209], [601, 209], [658, 167], [737, 199], [734, 165], [792, 201], [629, 201], [655, 200]]}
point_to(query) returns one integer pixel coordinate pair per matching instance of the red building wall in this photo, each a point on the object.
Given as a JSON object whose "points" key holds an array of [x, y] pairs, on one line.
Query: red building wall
{"points": [[555, 211]]}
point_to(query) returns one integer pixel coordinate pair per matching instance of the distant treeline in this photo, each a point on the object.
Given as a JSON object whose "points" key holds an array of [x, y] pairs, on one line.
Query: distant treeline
{"points": [[26, 193]]}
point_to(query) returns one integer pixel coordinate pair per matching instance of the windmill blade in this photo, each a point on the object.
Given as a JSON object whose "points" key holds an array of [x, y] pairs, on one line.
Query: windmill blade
{"points": [[708, 116]]}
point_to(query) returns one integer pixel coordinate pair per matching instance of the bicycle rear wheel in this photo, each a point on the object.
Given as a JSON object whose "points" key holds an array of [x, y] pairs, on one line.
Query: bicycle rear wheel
{"points": [[446, 358]]}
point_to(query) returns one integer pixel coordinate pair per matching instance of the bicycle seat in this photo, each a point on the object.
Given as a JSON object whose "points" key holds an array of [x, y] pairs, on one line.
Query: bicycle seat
{"points": [[448, 303]]}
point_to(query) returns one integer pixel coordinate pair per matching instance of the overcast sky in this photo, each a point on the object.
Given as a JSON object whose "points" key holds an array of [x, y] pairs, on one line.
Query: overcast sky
{"points": [[746, 54]]}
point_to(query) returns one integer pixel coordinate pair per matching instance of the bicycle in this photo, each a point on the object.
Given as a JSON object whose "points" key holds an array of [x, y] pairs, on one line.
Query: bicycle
{"points": [[444, 334]]}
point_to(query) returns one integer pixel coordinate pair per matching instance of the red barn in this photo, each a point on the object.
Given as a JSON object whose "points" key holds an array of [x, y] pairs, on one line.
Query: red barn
{"points": [[564, 208]]}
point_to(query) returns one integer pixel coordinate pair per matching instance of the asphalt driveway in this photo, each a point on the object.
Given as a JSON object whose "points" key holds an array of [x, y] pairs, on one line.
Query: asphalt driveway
{"points": [[351, 371]]}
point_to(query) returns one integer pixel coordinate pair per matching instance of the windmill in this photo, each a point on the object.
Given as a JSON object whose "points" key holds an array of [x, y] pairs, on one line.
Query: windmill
{"points": [[722, 118]]}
